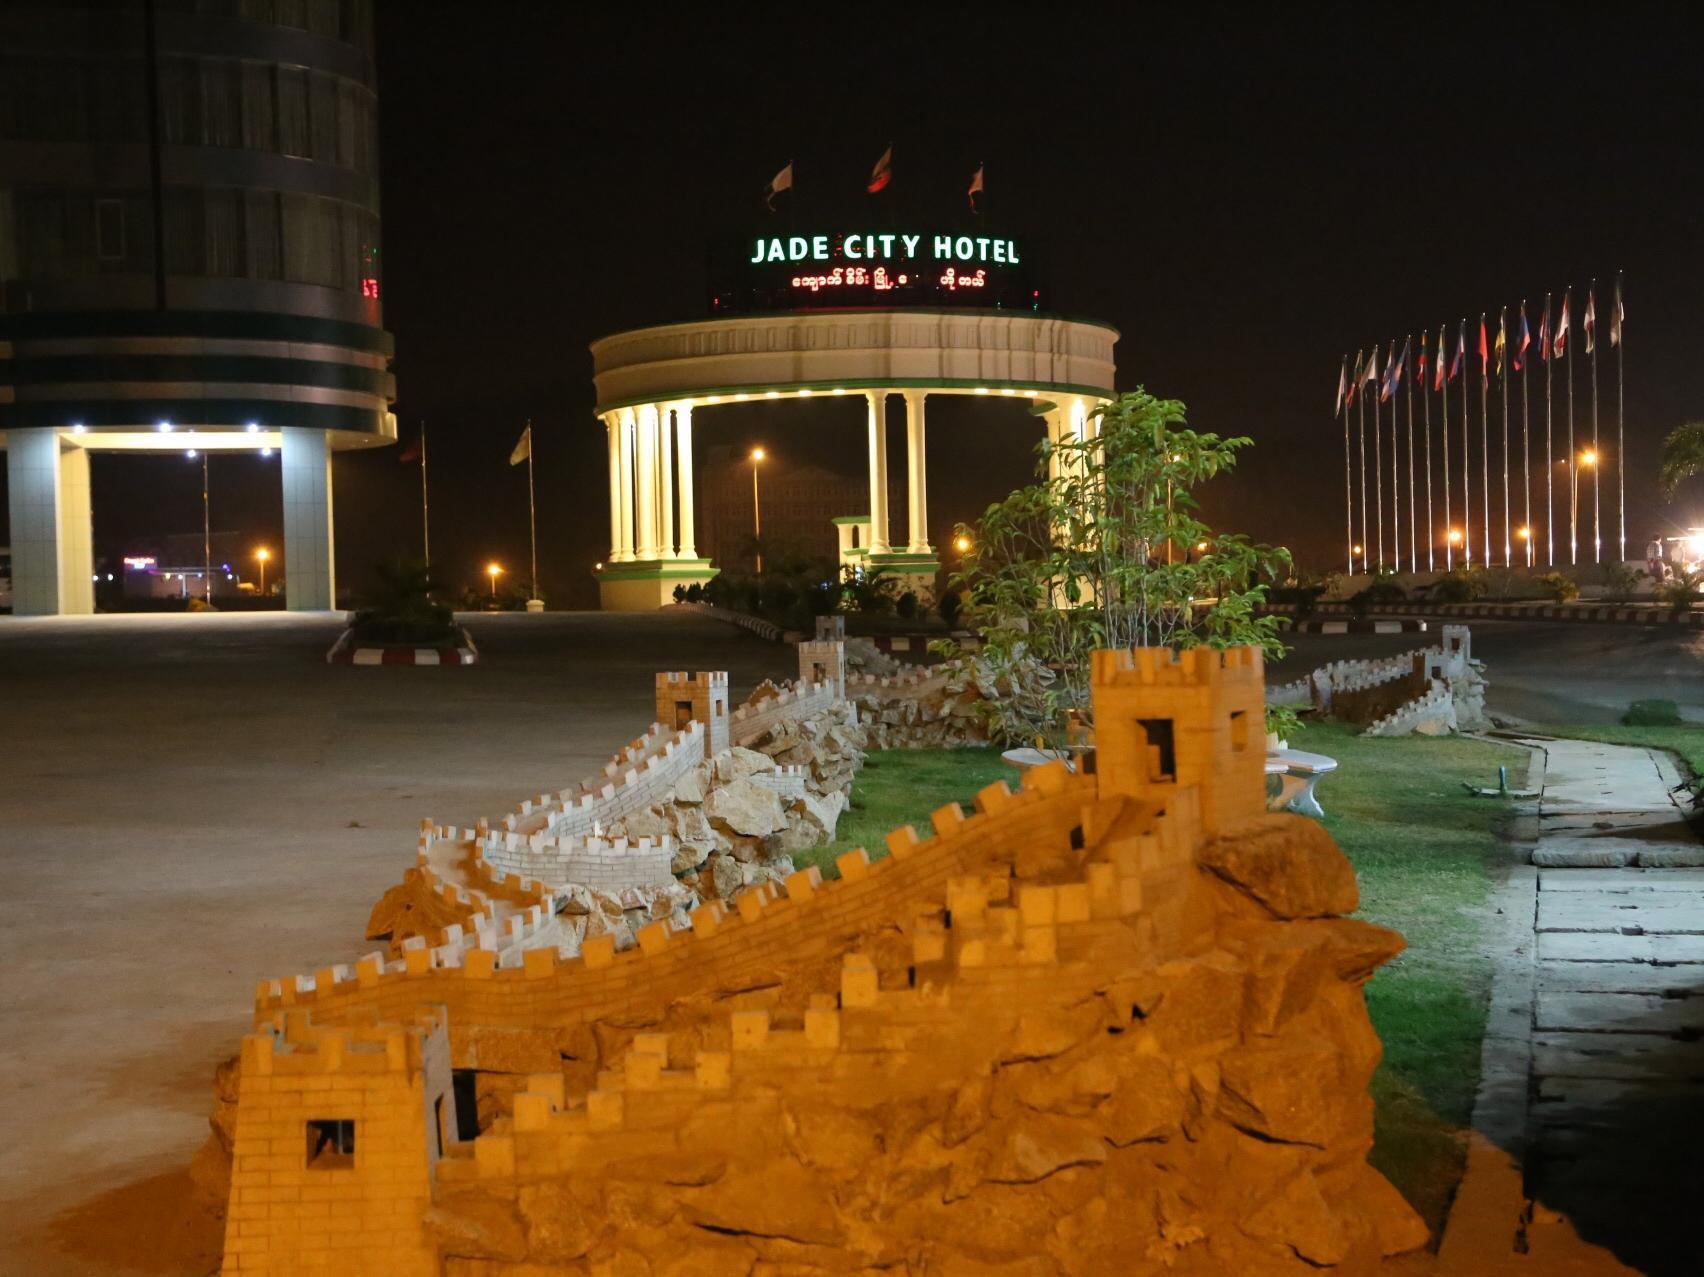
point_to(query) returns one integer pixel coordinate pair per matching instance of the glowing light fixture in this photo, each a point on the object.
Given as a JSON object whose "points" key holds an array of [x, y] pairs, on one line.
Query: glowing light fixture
{"points": [[165, 427], [190, 453], [254, 427], [982, 390], [1455, 536], [266, 452], [961, 544], [806, 393], [772, 394], [77, 427], [493, 571]]}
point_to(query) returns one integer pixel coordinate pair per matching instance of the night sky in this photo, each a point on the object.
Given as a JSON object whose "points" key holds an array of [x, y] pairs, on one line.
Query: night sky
{"points": [[1244, 201]]}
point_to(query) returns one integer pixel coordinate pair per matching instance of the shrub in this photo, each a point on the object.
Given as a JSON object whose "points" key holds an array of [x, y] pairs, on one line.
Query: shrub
{"points": [[1682, 590], [1621, 579], [1458, 586], [695, 593], [1559, 586], [680, 594], [949, 606], [1382, 589], [1304, 597], [400, 607], [1655, 713]]}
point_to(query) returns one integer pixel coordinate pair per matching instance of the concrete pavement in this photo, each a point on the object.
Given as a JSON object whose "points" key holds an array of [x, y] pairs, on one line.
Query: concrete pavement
{"points": [[191, 803]]}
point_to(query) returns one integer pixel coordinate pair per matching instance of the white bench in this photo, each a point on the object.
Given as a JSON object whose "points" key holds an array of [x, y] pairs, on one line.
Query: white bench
{"points": [[1298, 772]]}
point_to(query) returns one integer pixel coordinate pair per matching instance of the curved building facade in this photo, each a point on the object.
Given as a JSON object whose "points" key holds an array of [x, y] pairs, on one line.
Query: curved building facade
{"points": [[190, 257]]}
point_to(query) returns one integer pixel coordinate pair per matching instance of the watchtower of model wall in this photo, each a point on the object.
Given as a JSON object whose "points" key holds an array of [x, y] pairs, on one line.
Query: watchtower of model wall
{"points": [[701, 697], [1166, 720]]}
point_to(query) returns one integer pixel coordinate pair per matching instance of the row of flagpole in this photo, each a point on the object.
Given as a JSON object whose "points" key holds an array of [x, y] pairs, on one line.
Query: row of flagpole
{"points": [[1400, 373]]}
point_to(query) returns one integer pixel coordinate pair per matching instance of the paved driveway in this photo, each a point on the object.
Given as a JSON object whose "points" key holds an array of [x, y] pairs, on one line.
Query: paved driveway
{"points": [[188, 804]]}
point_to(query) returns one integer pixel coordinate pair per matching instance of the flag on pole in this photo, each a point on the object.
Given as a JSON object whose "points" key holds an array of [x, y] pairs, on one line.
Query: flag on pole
{"points": [[1484, 354], [523, 448], [976, 189], [1502, 343], [782, 181], [1355, 378], [1342, 382], [1590, 320], [1387, 386], [1371, 376], [410, 453], [1544, 333], [1438, 373], [1524, 341], [1559, 347], [1401, 361], [1616, 317], [1461, 351], [882, 174], [1420, 364]]}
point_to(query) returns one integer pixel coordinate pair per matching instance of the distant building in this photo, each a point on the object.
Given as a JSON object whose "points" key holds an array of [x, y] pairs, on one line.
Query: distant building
{"points": [[189, 258], [799, 500]]}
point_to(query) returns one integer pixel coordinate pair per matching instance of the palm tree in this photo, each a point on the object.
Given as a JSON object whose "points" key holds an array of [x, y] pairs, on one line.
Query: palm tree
{"points": [[1683, 455]]}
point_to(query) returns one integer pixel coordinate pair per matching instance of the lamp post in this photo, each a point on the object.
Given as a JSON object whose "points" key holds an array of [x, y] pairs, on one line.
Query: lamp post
{"points": [[757, 455], [263, 554], [961, 544], [493, 571]]}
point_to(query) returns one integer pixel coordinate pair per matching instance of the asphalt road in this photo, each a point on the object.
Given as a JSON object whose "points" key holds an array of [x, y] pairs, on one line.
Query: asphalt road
{"points": [[1560, 672], [190, 804]]}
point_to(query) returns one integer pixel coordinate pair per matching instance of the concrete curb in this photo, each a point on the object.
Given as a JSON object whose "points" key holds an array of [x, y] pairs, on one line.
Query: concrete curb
{"points": [[1360, 625], [1603, 613], [344, 652], [1485, 1231]]}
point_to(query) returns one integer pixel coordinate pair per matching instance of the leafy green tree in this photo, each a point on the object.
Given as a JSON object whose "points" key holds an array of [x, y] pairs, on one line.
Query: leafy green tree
{"points": [[1683, 456], [1106, 550]]}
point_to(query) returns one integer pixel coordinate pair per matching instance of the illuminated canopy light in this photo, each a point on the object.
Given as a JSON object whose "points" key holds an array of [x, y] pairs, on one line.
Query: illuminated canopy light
{"points": [[77, 427], [165, 427], [254, 427]]}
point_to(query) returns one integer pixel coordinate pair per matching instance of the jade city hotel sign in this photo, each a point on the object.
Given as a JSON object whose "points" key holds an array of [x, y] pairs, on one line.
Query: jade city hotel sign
{"points": [[874, 268]]}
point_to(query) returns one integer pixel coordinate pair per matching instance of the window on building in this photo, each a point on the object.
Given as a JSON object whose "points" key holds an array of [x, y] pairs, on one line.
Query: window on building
{"points": [[331, 1144], [262, 235], [260, 132], [1159, 732], [293, 112], [464, 1086], [109, 230]]}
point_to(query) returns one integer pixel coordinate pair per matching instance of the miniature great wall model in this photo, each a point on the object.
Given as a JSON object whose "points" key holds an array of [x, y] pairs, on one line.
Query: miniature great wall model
{"points": [[1109, 1024]]}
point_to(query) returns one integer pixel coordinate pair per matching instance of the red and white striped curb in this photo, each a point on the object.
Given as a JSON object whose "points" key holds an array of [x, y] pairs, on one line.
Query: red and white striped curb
{"points": [[344, 652], [1616, 613], [1408, 625]]}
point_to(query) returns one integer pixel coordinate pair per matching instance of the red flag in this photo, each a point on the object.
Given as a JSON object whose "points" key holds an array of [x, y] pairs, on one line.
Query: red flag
{"points": [[410, 453], [1484, 353], [1560, 346], [1544, 332], [882, 174]]}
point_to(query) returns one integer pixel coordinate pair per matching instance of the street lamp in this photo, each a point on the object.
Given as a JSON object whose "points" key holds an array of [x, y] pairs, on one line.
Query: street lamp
{"points": [[757, 455], [263, 554], [961, 544], [493, 571]]}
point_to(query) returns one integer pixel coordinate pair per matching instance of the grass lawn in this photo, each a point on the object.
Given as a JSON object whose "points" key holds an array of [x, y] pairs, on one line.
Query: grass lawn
{"points": [[1428, 858]]}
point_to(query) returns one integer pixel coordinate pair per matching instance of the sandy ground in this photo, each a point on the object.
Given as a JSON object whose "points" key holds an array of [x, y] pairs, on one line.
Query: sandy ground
{"points": [[190, 804]]}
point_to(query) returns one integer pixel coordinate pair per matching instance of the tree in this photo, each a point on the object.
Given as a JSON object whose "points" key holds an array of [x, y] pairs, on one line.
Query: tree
{"points": [[1105, 549], [1683, 455]]}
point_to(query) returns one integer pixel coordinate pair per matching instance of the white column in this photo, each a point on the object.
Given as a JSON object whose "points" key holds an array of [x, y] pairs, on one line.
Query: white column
{"points": [[627, 442], [877, 400], [52, 554], [646, 531], [665, 478], [612, 428], [683, 460], [917, 473], [310, 579]]}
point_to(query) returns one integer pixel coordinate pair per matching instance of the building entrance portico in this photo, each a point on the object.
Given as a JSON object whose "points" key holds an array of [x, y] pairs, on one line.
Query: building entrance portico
{"points": [[652, 381]]}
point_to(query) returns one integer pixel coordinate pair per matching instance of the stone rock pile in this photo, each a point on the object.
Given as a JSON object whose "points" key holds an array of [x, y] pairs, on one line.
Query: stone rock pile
{"points": [[944, 714], [738, 818]]}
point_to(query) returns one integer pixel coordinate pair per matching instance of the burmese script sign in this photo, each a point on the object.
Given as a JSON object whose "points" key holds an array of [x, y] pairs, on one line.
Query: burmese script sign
{"points": [[873, 268]]}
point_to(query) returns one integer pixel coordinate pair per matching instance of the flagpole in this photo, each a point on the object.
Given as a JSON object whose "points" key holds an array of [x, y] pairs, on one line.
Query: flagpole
{"points": [[1348, 466], [1544, 347], [1597, 508], [1366, 541], [1413, 549], [1620, 331], [1395, 476], [1503, 371], [1466, 453], [1378, 459], [425, 516], [1431, 527], [1573, 484], [532, 511], [1526, 445], [1444, 429], [1484, 449]]}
